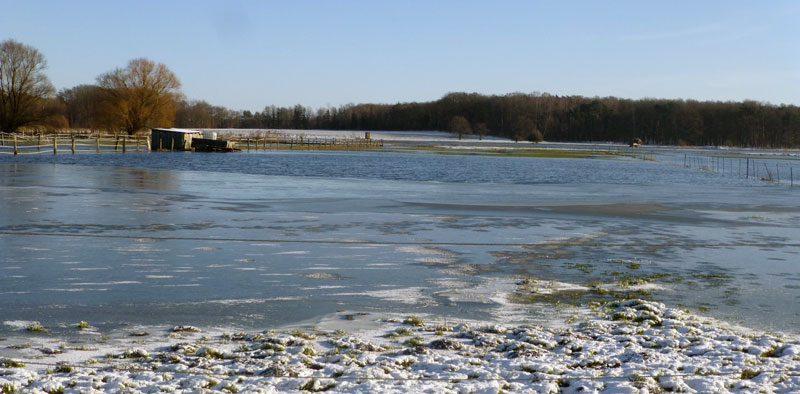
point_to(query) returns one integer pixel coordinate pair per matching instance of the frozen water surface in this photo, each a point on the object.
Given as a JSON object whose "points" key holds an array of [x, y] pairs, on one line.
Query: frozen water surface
{"points": [[268, 239]]}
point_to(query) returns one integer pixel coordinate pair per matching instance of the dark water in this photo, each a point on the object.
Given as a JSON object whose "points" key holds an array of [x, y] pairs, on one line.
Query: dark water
{"points": [[259, 240], [400, 166]]}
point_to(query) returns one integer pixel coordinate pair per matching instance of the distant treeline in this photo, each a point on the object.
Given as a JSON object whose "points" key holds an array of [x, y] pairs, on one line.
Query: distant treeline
{"points": [[146, 94], [534, 116]]}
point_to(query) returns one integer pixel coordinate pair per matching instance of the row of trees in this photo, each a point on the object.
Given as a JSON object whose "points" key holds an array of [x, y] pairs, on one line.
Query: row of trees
{"points": [[145, 94], [141, 95], [535, 117]]}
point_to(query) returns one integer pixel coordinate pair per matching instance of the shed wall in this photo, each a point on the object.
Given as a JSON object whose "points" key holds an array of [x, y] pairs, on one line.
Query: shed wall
{"points": [[170, 140]]}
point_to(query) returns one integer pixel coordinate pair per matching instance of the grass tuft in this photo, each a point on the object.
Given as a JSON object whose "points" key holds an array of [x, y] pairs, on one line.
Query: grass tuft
{"points": [[301, 334], [36, 327], [10, 363], [316, 386], [750, 373], [414, 321], [415, 342]]}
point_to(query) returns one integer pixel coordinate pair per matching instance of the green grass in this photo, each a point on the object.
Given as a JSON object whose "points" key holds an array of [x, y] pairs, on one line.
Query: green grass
{"points": [[9, 363], [312, 386], [415, 342], [404, 331], [309, 352], [749, 373], [583, 267], [301, 334], [774, 351], [521, 152], [57, 390], [414, 321], [7, 388]]}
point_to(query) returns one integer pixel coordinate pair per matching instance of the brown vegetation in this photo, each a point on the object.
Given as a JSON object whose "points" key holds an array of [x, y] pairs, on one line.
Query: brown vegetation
{"points": [[146, 94], [459, 126], [24, 89], [139, 96]]}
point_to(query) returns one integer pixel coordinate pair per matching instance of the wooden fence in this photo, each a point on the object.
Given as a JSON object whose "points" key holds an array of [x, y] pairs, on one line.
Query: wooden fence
{"points": [[275, 142], [21, 144]]}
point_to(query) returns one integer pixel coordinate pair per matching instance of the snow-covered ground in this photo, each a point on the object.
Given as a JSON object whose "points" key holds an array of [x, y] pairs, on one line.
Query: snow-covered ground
{"points": [[631, 346]]}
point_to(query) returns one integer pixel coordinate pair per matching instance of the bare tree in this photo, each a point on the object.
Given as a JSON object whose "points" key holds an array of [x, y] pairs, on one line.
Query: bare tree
{"points": [[525, 129], [195, 114], [23, 86], [81, 105], [459, 125], [481, 130], [142, 95]]}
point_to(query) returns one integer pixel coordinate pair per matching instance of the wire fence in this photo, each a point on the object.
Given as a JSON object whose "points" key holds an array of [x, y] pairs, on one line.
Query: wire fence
{"points": [[744, 167], [279, 141]]}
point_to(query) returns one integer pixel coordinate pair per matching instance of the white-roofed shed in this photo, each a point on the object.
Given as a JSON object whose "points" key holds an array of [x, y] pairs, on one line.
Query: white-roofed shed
{"points": [[173, 139]]}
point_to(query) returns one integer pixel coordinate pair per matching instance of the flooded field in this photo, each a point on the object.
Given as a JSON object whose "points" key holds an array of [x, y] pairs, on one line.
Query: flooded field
{"points": [[269, 239]]}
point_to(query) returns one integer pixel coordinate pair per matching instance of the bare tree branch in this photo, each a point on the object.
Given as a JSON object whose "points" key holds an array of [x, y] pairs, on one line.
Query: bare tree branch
{"points": [[23, 86], [140, 96]]}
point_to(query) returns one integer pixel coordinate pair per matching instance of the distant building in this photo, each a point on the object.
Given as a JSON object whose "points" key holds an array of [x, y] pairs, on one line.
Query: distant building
{"points": [[173, 139]]}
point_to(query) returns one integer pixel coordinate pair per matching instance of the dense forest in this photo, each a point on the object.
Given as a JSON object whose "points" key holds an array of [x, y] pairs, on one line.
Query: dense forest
{"points": [[146, 94], [533, 117]]}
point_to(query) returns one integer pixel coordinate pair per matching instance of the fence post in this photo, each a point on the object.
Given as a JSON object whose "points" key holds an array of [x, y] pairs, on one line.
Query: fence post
{"points": [[97, 142], [39, 144], [137, 143], [15, 144], [73, 144], [148, 143], [116, 143], [55, 144], [124, 144]]}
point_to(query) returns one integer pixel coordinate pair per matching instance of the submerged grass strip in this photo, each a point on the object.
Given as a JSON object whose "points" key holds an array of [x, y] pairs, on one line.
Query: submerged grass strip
{"points": [[520, 152]]}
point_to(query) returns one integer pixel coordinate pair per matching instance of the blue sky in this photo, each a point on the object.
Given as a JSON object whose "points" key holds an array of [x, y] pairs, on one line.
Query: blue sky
{"points": [[249, 54]]}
